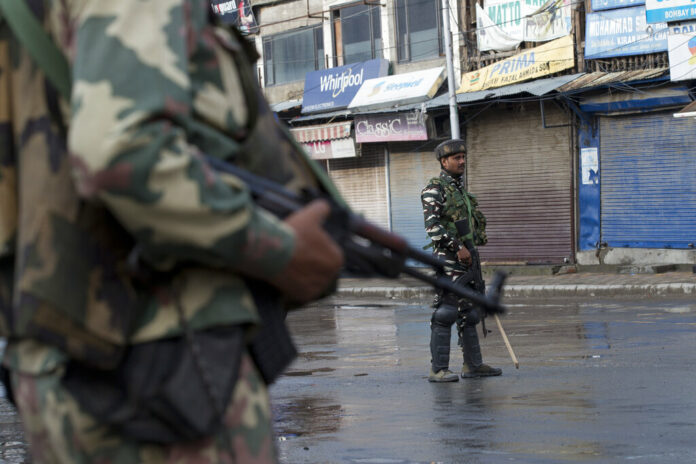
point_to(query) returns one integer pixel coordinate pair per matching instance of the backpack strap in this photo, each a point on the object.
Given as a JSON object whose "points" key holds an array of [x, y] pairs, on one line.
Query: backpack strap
{"points": [[28, 30]]}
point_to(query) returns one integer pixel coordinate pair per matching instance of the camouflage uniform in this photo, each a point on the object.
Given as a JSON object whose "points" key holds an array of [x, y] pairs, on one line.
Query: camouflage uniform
{"points": [[445, 201], [154, 85]]}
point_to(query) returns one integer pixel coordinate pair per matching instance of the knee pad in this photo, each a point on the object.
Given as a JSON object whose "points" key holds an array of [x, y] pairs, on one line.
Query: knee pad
{"points": [[472, 317], [445, 315]]}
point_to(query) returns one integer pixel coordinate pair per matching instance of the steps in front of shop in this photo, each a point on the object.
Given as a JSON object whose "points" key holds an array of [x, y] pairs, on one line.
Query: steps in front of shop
{"points": [[548, 269]]}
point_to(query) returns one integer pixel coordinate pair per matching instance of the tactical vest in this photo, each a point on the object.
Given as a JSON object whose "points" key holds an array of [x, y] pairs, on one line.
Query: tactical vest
{"points": [[461, 205], [65, 262]]}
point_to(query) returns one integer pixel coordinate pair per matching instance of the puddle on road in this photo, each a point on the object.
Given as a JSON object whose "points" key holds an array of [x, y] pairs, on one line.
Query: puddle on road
{"points": [[305, 416]]}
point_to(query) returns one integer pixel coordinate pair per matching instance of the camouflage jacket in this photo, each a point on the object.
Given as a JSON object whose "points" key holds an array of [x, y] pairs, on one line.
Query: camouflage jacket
{"points": [[154, 85], [445, 201]]}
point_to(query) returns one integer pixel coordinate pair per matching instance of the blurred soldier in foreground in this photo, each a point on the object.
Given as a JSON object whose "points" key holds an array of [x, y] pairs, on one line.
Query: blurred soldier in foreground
{"points": [[136, 282], [445, 201]]}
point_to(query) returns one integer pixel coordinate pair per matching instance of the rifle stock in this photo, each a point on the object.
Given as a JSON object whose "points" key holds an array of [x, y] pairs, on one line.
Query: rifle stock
{"points": [[368, 249]]}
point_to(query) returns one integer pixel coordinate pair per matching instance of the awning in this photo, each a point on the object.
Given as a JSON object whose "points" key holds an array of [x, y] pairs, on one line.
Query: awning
{"points": [[286, 105], [538, 87], [598, 78], [337, 130]]}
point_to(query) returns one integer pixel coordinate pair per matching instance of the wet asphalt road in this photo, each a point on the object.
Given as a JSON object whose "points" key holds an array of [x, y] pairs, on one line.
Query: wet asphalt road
{"points": [[599, 381]]}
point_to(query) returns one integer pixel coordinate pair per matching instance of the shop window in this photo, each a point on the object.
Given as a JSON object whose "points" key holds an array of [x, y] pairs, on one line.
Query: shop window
{"points": [[418, 30], [357, 33], [287, 57]]}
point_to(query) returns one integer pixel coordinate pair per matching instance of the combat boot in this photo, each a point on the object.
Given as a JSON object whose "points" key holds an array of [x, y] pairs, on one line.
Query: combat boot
{"points": [[443, 376], [473, 363]]}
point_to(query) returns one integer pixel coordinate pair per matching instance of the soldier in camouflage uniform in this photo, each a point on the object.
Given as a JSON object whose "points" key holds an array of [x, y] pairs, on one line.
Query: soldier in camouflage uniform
{"points": [[445, 201], [96, 189]]}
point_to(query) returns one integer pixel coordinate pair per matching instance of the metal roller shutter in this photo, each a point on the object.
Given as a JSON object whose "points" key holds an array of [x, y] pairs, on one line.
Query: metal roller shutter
{"points": [[521, 174], [648, 181], [362, 182], [410, 168]]}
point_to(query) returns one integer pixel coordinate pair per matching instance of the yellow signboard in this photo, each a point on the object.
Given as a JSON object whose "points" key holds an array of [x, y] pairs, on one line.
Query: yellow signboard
{"points": [[549, 58]]}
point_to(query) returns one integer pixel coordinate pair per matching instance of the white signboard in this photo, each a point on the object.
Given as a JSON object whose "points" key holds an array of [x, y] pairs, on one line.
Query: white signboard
{"points": [[504, 23], [590, 166], [399, 89], [681, 43], [331, 149]]}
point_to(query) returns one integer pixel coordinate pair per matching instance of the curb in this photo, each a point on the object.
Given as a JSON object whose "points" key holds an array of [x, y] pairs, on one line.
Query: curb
{"points": [[537, 291]]}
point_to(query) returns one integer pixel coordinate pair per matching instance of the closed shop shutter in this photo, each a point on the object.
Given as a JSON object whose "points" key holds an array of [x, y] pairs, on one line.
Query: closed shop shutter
{"points": [[648, 180], [521, 174], [362, 182], [410, 167]]}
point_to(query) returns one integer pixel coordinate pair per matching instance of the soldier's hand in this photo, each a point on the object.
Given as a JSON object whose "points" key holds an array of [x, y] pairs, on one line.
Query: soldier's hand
{"points": [[316, 259], [464, 256]]}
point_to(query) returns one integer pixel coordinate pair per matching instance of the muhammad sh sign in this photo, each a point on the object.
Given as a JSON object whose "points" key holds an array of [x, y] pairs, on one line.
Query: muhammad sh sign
{"points": [[546, 59]]}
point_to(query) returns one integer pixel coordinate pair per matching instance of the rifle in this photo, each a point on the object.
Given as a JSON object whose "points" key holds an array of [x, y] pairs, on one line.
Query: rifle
{"points": [[368, 249], [464, 230]]}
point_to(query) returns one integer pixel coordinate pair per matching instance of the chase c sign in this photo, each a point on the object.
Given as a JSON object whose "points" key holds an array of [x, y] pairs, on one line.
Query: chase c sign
{"points": [[333, 89]]}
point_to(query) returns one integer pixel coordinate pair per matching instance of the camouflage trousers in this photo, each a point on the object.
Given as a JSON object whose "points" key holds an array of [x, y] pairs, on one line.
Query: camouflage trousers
{"points": [[58, 431]]}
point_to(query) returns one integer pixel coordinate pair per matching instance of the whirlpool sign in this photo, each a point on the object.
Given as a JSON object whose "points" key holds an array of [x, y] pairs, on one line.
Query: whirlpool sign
{"points": [[333, 89]]}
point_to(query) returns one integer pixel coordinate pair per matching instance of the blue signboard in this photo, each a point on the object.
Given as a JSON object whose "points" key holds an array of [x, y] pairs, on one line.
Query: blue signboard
{"points": [[611, 4], [622, 32], [333, 89], [658, 11]]}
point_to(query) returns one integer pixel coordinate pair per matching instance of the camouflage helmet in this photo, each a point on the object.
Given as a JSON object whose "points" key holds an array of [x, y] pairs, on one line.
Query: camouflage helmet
{"points": [[450, 147]]}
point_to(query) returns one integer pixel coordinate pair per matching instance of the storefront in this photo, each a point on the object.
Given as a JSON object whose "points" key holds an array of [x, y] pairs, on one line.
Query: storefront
{"points": [[359, 172], [638, 172], [520, 170]]}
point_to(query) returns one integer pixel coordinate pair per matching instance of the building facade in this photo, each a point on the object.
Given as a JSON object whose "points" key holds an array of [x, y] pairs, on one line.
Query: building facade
{"points": [[567, 108]]}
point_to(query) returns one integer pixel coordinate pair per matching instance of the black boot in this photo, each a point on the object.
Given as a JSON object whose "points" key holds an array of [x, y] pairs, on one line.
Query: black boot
{"points": [[440, 354], [473, 363]]}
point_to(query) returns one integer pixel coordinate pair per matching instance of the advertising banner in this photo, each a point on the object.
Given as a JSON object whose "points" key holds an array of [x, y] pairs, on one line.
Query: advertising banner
{"points": [[503, 24], [398, 89], [622, 32], [237, 13], [682, 51], [333, 89], [546, 59], [665, 11], [390, 127]]}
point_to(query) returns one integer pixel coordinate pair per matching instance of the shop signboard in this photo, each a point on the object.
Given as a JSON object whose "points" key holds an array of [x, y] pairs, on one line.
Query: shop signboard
{"points": [[598, 5], [682, 51], [399, 89], [331, 149], [333, 89], [546, 59], [623, 32], [390, 127], [666, 11], [506, 23]]}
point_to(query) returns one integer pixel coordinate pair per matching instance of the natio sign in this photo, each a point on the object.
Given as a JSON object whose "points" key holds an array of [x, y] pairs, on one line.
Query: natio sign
{"points": [[333, 89], [390, 128]]}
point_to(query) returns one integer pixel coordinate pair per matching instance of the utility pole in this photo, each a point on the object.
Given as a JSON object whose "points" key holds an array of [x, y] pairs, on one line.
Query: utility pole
{"points": [[454, 112]]}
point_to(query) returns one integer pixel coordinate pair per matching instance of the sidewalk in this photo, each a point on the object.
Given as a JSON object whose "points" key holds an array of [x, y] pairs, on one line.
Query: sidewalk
{"points": [[580, 284]]}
